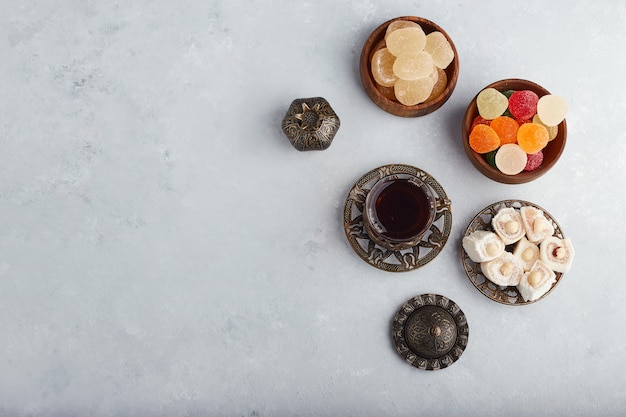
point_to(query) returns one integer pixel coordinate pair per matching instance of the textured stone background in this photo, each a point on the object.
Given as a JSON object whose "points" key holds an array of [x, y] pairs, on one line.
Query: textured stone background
{"points": [[165, 251]]}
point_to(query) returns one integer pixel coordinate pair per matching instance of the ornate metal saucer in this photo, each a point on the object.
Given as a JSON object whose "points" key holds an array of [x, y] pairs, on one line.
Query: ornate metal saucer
{"points": [[430, 332], [482, 221], [419, 255]]}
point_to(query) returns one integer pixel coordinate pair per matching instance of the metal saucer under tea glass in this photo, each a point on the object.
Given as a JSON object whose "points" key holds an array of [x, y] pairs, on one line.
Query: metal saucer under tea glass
{"points": [[482, 221], [430, 332], [385, 259]]}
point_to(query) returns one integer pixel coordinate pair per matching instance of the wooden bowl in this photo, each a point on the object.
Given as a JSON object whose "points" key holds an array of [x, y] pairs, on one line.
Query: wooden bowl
{"points": [[551, 153], [376, 41]]}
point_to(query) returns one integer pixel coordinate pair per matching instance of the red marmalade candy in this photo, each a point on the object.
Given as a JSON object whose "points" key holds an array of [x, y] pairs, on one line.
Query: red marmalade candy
{"points": [[523, 104], [479, 120], [534, 161]]}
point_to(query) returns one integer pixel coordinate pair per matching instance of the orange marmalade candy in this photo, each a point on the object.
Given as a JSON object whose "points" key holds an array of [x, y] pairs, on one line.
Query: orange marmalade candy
{"points": [[483, 139], [506, 128], [553, 131], [532, 137]]}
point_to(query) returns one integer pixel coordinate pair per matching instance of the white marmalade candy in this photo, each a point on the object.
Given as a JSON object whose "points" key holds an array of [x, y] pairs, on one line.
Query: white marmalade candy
{"points": [[483, 246], [552, 109], [536, 282], [511, 159], [557, 253], [527, 252], [507, 224], [505, 270]]}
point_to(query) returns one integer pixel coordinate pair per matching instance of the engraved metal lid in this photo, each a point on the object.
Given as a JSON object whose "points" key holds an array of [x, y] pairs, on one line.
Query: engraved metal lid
{"points": [[310, 124], [430, 331]]}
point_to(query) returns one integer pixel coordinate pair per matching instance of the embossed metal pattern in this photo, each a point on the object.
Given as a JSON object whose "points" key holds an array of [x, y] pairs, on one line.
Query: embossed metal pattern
{"points": [[426, 250], [430, 332], [482, 221], [310, 124]]}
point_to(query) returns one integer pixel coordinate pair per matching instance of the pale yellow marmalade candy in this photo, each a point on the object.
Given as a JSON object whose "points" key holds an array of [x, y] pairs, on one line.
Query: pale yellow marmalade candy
{"points": [[491, 103], [434, 75], [382, 67], [553, 131], [439, 48], [409, 39], [552, 109], [414, 92], [399, 24], [440, 85], [413, 66]]}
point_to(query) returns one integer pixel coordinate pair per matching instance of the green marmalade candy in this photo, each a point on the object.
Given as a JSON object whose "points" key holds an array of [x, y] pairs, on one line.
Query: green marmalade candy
{"points": [[491, 158]]}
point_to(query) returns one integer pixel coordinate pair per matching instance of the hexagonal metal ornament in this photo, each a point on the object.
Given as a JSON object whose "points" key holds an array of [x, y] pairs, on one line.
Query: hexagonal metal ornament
{"points": [[310, 124]]}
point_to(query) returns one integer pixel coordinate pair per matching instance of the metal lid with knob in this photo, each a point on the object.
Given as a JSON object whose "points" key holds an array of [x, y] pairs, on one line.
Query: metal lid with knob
{"points": [[430, 331]]}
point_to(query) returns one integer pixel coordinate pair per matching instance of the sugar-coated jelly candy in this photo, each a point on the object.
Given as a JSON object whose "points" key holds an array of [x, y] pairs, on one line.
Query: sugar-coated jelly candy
{"points": [[532, 137], [440, 84], [483, 139], [506, 128], [553, 131], [508, 93], [490, 157], [382, 67], [439, 48], [411, 66], [434, 75], [511, 159], [413, 92], [386, 92], [399, 24], [409, 39], [523, 104], [534, 161], [479, 120], [552, 109], [491, 103]]}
